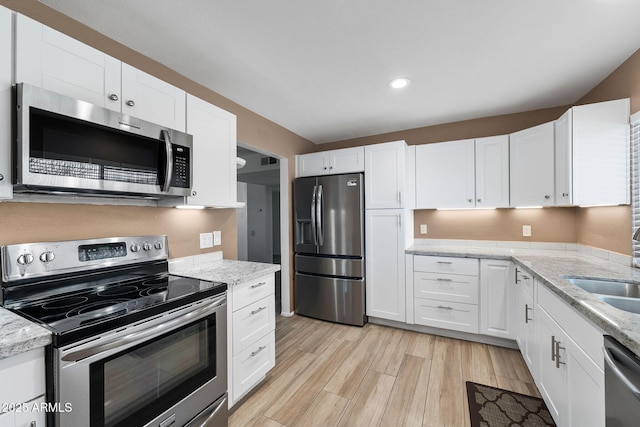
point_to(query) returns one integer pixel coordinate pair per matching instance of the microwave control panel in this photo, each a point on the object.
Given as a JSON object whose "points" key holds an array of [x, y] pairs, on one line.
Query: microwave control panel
{"points": [[181, 167]]}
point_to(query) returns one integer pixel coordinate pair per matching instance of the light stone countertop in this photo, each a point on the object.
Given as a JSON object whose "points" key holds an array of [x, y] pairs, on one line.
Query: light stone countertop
{"points": [[19, 335], [550, 267], [221, 270]]}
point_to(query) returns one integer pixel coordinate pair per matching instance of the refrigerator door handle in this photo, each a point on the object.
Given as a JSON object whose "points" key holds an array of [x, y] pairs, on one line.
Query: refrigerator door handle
{"points": [[319, 209], [314, 225]]}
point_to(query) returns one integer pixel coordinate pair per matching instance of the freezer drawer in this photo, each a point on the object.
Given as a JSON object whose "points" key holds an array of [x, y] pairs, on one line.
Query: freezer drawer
{"points": [[343, 267], [336, 300]]}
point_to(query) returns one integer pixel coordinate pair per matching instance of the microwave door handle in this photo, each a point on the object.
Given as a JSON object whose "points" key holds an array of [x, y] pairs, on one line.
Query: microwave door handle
{"points": [[314, 225], [168, 173]]}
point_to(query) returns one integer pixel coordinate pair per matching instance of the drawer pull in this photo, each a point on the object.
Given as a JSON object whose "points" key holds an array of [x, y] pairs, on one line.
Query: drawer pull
{"points": [[444, 307], [558, 348], [262, 347], [445, 262], [257, 285], [526, 313], [444, 280], [258, 310], [553, 348]]}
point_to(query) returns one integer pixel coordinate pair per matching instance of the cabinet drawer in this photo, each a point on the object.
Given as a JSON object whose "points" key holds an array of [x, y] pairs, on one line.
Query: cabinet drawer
{"points": [[25, 373], [252, 323], [447, 315], [446, 287], [580, 329], [451, 265], [525, 279], [251, 365], [252, 291]]}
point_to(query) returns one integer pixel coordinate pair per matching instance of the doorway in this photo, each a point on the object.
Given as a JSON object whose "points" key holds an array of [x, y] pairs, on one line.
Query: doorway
{"points": [[262, 230]]}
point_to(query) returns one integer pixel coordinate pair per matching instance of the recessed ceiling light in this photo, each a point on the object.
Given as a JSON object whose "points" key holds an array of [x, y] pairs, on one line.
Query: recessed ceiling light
{"points": [[400, 82]]}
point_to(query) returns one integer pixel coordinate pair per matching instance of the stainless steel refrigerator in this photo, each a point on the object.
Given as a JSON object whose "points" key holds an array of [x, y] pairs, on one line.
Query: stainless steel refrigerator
{"points": [[329, 248]]}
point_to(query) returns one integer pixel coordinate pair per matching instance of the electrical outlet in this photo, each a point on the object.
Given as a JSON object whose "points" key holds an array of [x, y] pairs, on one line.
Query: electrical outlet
{"points": [[526, 231], [423, 228], [217, 238], [206, 240]]}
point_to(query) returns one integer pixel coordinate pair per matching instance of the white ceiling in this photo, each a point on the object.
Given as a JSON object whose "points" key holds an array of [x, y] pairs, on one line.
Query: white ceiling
{"points": [[320, 67]]}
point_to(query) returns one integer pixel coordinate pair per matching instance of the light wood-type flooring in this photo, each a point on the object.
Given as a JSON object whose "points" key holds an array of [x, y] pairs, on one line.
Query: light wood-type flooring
{"points": [[335, 375]]}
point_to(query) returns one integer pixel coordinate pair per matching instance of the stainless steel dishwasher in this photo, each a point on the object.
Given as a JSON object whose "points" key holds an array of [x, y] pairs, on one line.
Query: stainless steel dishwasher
{"points": [[622, 384]]}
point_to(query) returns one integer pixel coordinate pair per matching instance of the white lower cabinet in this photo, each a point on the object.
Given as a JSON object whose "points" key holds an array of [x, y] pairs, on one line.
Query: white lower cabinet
{"points": [[570, 377], [497, 298], [526, 317], [251, 334], [22, 387], [445, 292]]}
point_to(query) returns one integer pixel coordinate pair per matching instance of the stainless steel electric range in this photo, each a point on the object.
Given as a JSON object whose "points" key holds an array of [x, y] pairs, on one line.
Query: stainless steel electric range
{"points": [[132, 344]]}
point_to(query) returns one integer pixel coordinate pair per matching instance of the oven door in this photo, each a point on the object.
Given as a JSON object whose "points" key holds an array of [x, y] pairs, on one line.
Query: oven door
{"points": [[165, 371]]}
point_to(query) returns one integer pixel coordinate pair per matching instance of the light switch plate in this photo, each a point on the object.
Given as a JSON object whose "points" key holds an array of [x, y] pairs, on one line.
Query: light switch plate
{"points": [[423, 228], [526, 231], [217, 238], [206, 240]]}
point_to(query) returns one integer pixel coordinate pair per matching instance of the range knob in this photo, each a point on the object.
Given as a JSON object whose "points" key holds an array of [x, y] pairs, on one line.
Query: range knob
{"points": [[25, 259], [47, 256], [157, 245], [146, 246], [135, 247]]}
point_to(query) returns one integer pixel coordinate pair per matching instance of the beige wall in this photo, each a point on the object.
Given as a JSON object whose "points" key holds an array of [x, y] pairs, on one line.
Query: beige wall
{"points": [[21, 222], [547, 225]]}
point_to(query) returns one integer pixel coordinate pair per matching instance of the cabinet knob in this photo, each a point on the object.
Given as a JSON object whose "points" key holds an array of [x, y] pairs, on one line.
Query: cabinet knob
{"points": [[1, 177], [547, 197], [479, 200], [470, 200], [194, 193], [113, 97], [565, 194], [325, 168], [130, 103]]}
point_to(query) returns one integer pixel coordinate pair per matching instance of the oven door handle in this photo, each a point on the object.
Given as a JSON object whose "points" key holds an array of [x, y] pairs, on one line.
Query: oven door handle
{"points": [[137, 336]]}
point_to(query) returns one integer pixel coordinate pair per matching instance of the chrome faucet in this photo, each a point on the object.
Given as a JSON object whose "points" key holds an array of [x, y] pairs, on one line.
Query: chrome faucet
{"points": [[636, 235]]}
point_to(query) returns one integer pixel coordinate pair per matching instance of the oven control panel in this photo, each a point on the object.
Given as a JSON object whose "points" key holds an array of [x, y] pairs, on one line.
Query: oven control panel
{"points": [[32, 260]]}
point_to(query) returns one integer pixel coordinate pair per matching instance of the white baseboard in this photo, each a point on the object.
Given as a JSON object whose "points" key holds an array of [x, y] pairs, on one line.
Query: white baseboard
{"points": [[285, 314]]}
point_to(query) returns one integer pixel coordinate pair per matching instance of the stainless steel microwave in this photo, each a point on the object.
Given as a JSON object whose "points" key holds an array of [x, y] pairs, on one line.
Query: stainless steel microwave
{"points": [[63, 144]]}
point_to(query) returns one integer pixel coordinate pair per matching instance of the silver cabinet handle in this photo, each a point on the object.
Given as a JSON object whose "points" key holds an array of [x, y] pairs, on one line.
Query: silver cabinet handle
{"points": [[130, 103], [113, 97], [400, 197], [526, 313], [257, 285], [32, 424], [517, 273], [565, 194], [262, 347], [470, 200], [479, 200], [258, 310], [553, 348], [445, 262], [443, 280], [558, 348], [444, 307], [547, 197]]}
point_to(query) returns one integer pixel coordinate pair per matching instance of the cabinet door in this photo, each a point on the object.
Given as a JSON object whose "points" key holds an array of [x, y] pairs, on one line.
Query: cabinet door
{"points": [[525, 318], [385, 286], [151, 99], [562, 133], [54, 61], [6, 189], [552, 379], [385, 175], [346, 160], [214, 154], [445, 175], [532, 166], [492, 172], [312, 164], [586, 389], [497, 298]]}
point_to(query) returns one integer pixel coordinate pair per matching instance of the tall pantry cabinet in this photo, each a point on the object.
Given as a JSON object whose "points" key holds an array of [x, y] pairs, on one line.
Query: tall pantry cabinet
{"points": [[6, 188], [388, 226]]}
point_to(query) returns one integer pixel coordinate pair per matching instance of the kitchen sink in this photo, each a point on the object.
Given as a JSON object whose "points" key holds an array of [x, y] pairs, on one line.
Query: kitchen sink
{"points": [[621, 295]]}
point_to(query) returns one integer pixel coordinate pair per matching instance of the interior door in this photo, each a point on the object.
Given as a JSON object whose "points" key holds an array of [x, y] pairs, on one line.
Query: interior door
{"points": [[340, 215], [303, 198]]}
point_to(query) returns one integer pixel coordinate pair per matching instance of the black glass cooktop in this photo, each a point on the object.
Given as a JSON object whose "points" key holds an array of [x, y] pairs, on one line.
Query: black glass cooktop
{"points": [[99, 307]]}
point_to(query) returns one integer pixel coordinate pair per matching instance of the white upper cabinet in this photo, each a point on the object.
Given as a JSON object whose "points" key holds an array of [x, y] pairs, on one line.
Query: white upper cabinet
{"points": [[492, 172], [345, 160], [388, 176], [445, 175], [592, 154], [214, 160], [532, 166], [54, 61], [463, 174], [6, 188]]}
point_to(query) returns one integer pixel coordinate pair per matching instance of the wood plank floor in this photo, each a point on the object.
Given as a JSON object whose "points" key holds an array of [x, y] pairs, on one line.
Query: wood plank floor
{"points": [[336, 375]]}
